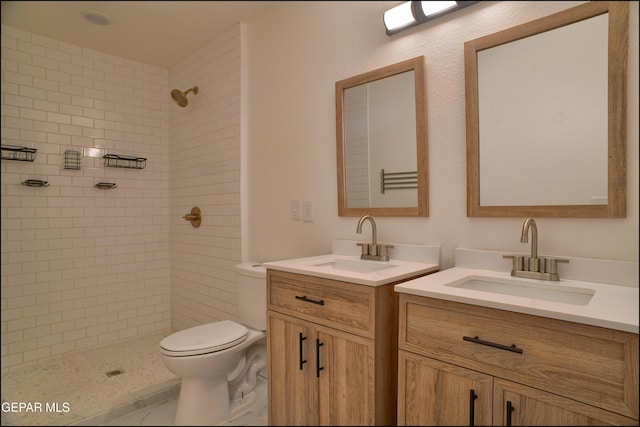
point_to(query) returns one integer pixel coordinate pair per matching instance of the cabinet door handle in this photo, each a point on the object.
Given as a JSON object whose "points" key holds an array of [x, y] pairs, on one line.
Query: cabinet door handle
{"points": [[302, 359], [477, 340], [510, 409], [472, 406], [318, 367], [313, 301]]}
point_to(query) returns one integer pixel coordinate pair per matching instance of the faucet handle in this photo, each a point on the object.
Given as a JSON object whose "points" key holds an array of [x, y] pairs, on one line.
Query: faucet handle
{"points": [[383, 249], [551, 264], [518, 261], [365, 248]]}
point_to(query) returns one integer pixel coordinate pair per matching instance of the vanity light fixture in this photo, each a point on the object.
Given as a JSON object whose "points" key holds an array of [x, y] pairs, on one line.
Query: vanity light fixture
{"points": [[412, 13], [399, 18]]}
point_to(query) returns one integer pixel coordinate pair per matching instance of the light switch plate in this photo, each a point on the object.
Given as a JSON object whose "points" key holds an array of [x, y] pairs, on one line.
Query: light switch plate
{"points": [[307, 211], [296, 214]]}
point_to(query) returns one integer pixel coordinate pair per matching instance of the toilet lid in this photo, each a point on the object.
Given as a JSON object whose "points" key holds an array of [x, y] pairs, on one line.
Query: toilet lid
{"points": [[204, 339]]}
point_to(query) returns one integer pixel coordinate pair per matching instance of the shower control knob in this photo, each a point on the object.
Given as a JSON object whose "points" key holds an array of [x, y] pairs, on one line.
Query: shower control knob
{"points": [[195, 217]]}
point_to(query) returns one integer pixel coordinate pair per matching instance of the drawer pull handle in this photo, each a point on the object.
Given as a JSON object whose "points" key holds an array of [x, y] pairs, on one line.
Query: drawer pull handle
{"points": [[510, 409], [472, 407], [318, 367], [302, 359], [477, 340], [313, 301]]}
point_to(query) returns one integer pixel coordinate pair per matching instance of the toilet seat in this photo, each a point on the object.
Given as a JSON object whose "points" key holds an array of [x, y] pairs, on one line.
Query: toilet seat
{"points": [[203, 339]]}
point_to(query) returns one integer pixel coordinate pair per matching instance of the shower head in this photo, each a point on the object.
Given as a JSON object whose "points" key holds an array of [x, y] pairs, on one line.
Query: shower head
{"points": [[180, 97]]}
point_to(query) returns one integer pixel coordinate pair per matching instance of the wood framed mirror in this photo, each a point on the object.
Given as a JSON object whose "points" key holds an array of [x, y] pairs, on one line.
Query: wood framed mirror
{"points": [[381, 142], [546, 106]]}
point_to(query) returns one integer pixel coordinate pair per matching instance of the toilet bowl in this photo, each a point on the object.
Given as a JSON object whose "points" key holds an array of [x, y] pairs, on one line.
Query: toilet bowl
{"points": [[219, 362]]}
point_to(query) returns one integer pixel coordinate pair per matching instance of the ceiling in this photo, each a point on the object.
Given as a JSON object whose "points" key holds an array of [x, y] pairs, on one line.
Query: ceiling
{"points": [[160, 33]]}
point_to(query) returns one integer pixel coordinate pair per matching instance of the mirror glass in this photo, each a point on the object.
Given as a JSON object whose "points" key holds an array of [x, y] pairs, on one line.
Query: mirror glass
{"points": [[546, 107], [381, 142]]}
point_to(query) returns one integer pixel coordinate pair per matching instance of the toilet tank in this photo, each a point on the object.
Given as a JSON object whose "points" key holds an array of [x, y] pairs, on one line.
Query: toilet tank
{"points": [[251, 280]]}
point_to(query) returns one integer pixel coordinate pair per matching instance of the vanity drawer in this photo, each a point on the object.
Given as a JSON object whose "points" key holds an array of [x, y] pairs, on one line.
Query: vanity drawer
{"points": [[597, 366], [341, 305]]}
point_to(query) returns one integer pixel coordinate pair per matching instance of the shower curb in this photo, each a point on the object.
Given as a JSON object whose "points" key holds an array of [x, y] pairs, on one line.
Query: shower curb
{"points": [[148, 397]]}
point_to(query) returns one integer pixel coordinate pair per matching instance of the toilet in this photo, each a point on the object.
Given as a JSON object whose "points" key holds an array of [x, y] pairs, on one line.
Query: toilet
{"points": [[219, 362]]}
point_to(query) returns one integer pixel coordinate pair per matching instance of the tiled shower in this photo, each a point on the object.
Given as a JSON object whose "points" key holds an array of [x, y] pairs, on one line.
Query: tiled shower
{"points": [[85, 267]]}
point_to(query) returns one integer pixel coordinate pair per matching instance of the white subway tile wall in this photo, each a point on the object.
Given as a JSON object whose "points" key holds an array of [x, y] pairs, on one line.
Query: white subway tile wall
{"points": [[81, 267], [84, 267], [204, 167]]}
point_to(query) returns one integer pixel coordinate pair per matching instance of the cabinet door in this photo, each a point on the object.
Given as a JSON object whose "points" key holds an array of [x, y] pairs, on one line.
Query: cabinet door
{"points": [[520, 405], [292, 378], [431, 392], [345, 379]]}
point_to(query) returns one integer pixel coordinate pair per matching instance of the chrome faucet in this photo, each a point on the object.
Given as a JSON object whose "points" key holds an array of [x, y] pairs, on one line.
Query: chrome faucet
{"points": [[373, 250], [533, 269]]}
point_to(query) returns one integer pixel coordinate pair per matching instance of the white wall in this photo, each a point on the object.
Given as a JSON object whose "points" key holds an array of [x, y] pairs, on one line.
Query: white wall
{"points": [[300, 49], [205, 172], [81, 267]]}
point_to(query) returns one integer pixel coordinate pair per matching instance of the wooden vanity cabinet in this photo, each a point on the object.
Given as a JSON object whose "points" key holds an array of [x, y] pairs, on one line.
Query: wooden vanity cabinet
{"points": [[461, 364], [332, 351]]}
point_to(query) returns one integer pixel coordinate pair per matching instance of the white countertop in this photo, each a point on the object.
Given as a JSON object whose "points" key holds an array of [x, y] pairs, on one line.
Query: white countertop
{"points": [[613, 306], [405, 261]]}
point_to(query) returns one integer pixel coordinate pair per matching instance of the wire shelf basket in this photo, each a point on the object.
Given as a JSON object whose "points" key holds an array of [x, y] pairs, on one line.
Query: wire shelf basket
{"points": [[72, 159], [129, 162], [106, 185], [35, 183], [22, 154]]}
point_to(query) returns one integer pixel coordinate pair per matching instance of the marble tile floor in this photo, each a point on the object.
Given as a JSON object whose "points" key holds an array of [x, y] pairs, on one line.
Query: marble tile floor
{"points": [[75, 389], [163, 413]]}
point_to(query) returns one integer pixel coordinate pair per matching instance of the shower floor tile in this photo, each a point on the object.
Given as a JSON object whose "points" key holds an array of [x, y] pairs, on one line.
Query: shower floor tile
{"points": [[74, 387]]}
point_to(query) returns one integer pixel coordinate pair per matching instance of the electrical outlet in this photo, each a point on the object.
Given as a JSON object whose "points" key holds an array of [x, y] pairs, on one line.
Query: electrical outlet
{"points": [[307, 211], [296, 215]]}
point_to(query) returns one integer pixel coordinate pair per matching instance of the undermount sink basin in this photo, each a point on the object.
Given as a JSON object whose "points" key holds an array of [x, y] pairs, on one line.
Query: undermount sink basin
{"points": [[541, 291], [354, 266]]}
